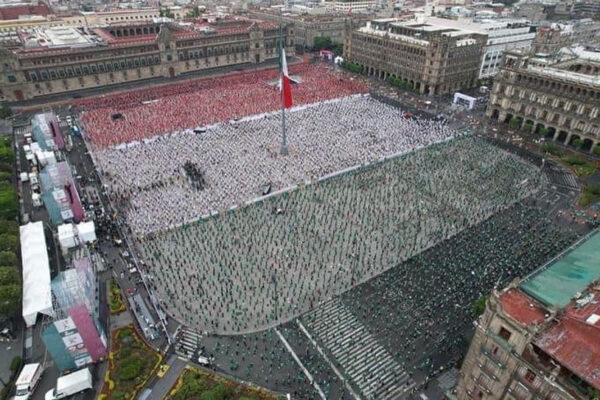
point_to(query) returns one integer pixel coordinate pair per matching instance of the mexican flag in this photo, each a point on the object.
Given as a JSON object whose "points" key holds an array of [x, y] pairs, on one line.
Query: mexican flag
{"points": [[285, 83]]}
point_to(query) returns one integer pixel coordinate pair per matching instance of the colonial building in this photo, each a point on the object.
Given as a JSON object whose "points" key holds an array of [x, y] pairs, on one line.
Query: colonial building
{"points": [[551, 38], [558, 96], [354, 5], [57, 60], [539, 338], [308, 26], [432, 58], [18, 18]]}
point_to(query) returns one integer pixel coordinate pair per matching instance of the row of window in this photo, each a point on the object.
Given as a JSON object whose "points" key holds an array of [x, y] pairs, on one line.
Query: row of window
{"points": [[93, 55], [389, 44], [217, 51], [555, 86], [69, 72]]}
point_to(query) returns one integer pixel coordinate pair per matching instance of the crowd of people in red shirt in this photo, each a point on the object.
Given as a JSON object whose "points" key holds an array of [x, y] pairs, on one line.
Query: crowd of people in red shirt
{"points": [[145, 113]]}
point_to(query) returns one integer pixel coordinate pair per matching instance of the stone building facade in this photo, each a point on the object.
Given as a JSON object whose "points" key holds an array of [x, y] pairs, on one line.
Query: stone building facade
{"points": [[558, 96], [307, 27], [131, 52], [507, 358], [549, 39], [538, 338], [432, 59]]}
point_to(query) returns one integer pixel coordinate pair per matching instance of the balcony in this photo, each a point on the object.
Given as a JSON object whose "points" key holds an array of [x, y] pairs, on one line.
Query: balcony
{"points": [[494, 358], [501, 342]]}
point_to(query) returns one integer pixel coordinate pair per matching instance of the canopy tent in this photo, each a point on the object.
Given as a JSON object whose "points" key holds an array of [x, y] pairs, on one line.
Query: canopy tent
{"points": [[37, 293], [86, 231], [66, 236]]}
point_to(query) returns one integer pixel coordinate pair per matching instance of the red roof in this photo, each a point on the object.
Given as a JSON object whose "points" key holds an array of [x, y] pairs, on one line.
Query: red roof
{"points": [[574, 340], [14, 12], [522, 308]]}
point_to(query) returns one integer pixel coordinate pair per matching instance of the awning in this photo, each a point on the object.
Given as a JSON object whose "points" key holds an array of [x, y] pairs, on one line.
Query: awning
{"points": [[37, 292]]}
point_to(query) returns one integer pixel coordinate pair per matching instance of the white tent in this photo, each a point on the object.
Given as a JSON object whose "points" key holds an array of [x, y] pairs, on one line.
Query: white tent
{"points": [[86, 231], [66, 236], [37, 291]]}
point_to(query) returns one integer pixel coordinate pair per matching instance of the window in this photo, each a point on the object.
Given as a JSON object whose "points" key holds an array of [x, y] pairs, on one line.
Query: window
{"points": [[505, 334], [530, 376], [11, 78]]}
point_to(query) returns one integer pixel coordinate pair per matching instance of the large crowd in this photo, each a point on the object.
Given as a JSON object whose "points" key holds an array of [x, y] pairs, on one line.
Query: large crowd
{"points": [[268, 262], [145, 113], [239, 159]]}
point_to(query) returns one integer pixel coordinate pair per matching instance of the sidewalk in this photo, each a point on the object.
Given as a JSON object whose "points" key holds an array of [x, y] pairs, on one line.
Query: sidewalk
{"points": [[8, 350]]}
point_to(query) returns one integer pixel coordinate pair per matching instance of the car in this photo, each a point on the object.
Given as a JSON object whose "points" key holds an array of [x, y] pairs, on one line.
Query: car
{"points": [[162, 370]]}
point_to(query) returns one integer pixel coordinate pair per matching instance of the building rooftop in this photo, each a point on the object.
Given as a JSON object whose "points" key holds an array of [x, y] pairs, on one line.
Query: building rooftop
{"points": [[483, 26], [17, 11], [556, 283], [522, 308], [62, 40], [574, 340], [44, 39]]}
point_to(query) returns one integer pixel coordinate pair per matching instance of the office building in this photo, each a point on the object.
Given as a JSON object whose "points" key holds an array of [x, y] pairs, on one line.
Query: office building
{"points": [[432, 58]]}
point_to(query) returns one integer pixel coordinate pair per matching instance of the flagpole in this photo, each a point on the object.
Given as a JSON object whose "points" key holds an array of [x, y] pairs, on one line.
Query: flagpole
{"points": [[284, 149]]}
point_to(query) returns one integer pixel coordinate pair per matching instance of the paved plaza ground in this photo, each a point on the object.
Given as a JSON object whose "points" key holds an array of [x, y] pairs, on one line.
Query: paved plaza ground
{"points": [[252, 268], [359, 284]]}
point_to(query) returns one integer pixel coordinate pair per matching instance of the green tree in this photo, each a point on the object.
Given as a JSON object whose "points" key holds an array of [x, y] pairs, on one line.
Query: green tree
{"points": [[6, 167], [350, 66], [7, 155], [322, 43], [9, 242], [596, 149], [194, 12], [479, 306], [551, 148], [527, 127], [10, 299], [543, 131], [9, 276], [9, 206], [9, 227], [578, 143], [166, 12], [5, 111], [8, 258], [514, 122]]}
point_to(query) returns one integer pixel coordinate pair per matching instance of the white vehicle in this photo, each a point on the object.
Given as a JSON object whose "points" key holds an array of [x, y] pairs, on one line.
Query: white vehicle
{"points": [[71, 384], [28, 380], [69, 120], [204, 361]]}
